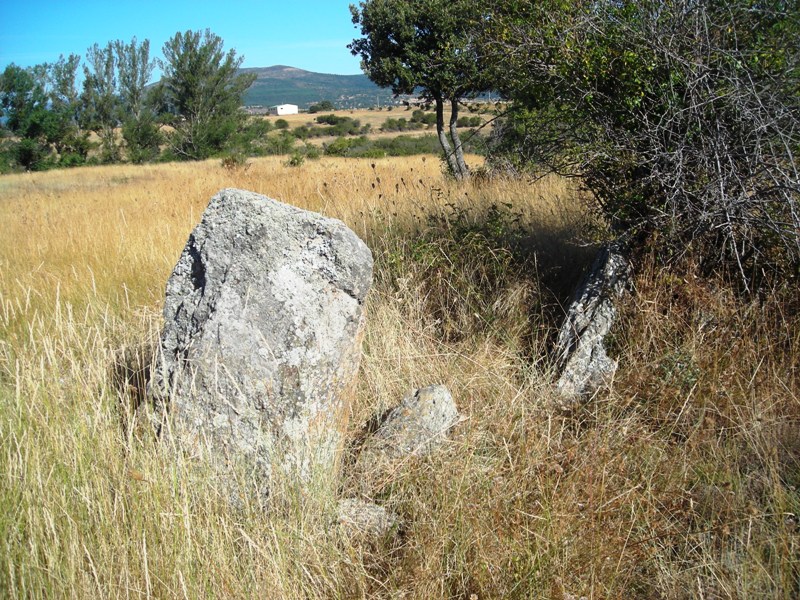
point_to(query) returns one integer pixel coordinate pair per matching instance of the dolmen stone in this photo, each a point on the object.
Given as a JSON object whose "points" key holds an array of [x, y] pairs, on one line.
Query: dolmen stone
{"points": [[581, 356], [264, 317]]}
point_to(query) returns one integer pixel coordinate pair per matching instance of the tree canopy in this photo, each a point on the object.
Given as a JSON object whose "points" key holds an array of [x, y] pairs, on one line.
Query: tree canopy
{"points": [[425, 46], [203, 89]]}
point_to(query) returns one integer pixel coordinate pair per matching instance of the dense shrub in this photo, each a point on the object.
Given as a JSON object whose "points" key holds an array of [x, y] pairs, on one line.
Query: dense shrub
{"points": [[682, 117], [321, 106], [401, 124], [426, 118], [465, 121]]}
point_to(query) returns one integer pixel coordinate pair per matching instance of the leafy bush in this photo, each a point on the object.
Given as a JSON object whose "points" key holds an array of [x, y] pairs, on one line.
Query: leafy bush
{"points": [[465, 121], [234, 161], [271, 145], [302, 132], [32, 155], [339, 147], [335, 126], [331, 119], [142, 139], [312, 152], [71, 159], [296, 159], [426, 118], [682, 117], [401, 124]]}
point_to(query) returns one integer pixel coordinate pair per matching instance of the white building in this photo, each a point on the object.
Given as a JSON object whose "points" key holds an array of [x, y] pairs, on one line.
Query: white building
{"points": [[284, 109]]}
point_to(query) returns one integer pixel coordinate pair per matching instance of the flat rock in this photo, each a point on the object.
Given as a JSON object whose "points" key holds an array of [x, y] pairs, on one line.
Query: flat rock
{"points": [[365, 518], [262, 338], [418, 424]]}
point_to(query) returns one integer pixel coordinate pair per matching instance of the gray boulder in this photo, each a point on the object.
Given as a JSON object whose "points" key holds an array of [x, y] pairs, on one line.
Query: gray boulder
{"points": [[263, 324], [418, 424], [580, 349]]}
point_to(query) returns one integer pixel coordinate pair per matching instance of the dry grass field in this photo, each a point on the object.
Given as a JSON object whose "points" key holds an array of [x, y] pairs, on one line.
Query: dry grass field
{"points": [[681, 481]]}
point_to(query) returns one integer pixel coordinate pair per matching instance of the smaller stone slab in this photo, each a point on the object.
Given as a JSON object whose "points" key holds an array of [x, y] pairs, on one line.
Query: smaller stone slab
{"points": [[363, 518], [418, 424], [580, 349]]}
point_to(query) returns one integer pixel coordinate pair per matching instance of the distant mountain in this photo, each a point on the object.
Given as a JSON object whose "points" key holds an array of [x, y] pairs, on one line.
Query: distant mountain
{"points": [[287, 85]]}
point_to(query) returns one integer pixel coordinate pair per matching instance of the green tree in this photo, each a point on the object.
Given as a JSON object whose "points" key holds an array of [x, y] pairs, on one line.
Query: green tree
{"points": [[424, 45], [71, 143], [100, 102], [322, 106], [139, 126], [21, 97], [26, 104], [202, 87], [64, 92]]}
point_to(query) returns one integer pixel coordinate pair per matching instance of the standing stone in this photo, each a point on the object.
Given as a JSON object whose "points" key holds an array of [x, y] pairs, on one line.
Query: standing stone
{"points": [[264, 319], [580, 349]]}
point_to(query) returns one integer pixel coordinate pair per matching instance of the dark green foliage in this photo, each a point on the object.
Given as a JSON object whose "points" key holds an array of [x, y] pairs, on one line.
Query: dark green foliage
{"points": [[401, 124], [100, 104], [469, 121], [142, 138], [405, 145], [22, 96], [331, 119], [334, 126], [296, 159], [31, 154], [425, 47], [40, 105], [302, 132], [340, 146], [203, 89], [402, 145], [281, 124], [276, 144], [322, 106], [140, 128], [200, 97], [426, 118], [682, 117]]}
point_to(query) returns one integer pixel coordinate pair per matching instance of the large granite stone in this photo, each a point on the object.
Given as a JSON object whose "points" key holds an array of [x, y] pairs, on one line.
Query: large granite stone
{"points": [[263, 324]]}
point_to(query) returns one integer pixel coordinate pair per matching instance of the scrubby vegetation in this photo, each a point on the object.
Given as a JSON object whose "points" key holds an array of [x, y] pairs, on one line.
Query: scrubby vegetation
{"points": [[681, 481]]}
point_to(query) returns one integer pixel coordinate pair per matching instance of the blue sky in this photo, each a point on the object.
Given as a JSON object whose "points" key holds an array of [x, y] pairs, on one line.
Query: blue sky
{"points": [[308, 34]]}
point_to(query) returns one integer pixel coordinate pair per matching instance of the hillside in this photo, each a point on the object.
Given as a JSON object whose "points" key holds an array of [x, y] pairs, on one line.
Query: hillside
{"points": [[287, 85]]}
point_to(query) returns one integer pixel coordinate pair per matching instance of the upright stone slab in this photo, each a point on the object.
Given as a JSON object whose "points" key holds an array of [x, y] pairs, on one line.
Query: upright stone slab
{"points": [[580, 349], [263, 325]]}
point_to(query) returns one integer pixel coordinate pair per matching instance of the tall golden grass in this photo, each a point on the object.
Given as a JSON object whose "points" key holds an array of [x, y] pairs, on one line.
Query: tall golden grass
{"points": [[681, 481]]}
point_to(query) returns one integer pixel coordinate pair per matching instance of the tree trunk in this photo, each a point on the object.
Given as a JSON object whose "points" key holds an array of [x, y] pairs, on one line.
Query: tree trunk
{"points": [[452, 163], [458, 149]]}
